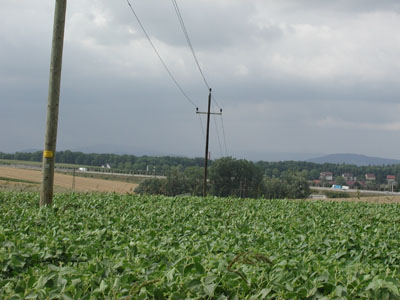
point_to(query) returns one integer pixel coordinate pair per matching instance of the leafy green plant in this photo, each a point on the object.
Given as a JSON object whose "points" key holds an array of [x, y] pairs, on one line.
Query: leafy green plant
{"points": [[108, 246]]}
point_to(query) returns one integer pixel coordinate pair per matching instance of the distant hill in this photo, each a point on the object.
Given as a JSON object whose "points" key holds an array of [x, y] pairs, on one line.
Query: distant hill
{"points": [[119, 150], [354, 159]]}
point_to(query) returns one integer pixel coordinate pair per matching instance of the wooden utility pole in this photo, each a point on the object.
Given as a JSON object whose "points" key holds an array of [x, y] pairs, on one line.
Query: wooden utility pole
{"points": [[207, 139], [73, 179], [206, 154], [46, 190]]}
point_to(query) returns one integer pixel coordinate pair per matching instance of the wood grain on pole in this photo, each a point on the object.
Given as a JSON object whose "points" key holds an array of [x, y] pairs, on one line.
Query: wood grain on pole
{"points": [[46, 191]]}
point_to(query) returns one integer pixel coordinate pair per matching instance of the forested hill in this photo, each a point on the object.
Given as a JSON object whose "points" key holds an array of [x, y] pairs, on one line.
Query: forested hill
{"points": [[354, 159], [163, 164]]}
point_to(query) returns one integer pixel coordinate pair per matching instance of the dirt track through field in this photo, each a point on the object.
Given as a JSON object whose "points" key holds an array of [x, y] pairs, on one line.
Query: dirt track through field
{"points": [[65, 181]]}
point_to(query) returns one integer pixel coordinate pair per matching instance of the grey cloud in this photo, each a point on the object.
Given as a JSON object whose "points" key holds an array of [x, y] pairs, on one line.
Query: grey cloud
{"points": [[212, 25], [286, 73], [344, 5]]}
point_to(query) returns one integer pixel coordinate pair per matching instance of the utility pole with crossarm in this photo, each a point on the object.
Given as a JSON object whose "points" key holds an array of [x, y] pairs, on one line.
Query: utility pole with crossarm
{"points": [[208, 113]]}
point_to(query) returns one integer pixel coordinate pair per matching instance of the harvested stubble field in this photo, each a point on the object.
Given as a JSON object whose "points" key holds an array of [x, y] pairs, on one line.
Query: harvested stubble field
{"points": [[109, 246], [15, 178]]}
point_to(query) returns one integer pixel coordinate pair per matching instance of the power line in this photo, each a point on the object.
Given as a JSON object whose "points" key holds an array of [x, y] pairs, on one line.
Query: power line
{"points": [[178, 13], [180, 18], [186, 34], [216, 129], [164, 64], [222, 125], [202, 128], [216, 103], [159, 56], [223, 132]]}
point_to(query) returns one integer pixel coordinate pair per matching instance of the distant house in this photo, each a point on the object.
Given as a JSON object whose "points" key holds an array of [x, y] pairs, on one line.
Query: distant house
{"points": [[350, 183], [361, 184], [348, 176], [390, 178], [370, 177], [328, 176], [316, 182]]}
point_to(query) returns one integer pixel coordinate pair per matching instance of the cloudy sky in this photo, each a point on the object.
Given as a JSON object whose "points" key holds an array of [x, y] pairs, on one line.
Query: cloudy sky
{"points": [[292, 76]]}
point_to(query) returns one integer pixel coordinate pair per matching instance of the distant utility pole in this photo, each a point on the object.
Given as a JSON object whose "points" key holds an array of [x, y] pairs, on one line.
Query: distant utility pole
{"points": [[46, 190], [73, 179], [208, 113]]}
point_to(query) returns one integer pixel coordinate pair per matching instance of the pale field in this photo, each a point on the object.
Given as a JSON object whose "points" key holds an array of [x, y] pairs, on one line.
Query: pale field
{"points": [[369, 199], [62, 182]]}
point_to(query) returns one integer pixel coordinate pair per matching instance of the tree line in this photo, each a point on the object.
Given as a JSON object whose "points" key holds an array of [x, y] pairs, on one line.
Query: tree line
{"points": [[157, 165], [228, 177], [163, 165]]}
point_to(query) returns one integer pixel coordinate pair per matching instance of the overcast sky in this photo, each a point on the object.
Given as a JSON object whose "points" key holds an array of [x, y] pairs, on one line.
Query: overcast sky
{"points": [[301, 76]]}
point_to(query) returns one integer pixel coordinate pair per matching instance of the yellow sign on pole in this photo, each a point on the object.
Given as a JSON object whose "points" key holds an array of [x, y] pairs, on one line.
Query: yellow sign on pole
{"points": [[48, 154]]}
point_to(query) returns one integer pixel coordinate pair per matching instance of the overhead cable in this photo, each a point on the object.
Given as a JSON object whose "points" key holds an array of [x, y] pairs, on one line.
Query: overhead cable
{"points": [[223, 132], [216, 129], [178, 13], [215, 101], [159, 56], [186, 34], [202, 128]]}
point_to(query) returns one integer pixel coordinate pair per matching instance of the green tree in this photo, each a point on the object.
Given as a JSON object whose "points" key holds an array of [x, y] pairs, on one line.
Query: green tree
{"points": [[232, 177], [371, 185], [275, 188], [297, 186], [128, 165], [151, 186], [176, 183], [194, 179], [314, 174], [339, 180]]}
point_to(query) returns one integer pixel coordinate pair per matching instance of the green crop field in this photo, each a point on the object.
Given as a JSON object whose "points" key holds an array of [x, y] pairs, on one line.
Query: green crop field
{"points": [[91, 246]]}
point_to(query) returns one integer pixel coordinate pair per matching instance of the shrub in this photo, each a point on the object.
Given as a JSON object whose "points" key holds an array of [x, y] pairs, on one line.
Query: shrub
{"points": [[152, 186], [292, 186], [339, 194]]}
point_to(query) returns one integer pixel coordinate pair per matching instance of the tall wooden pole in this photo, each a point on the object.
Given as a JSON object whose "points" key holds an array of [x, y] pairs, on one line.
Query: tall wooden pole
{"points": [[206, 154], [46, 190]]}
